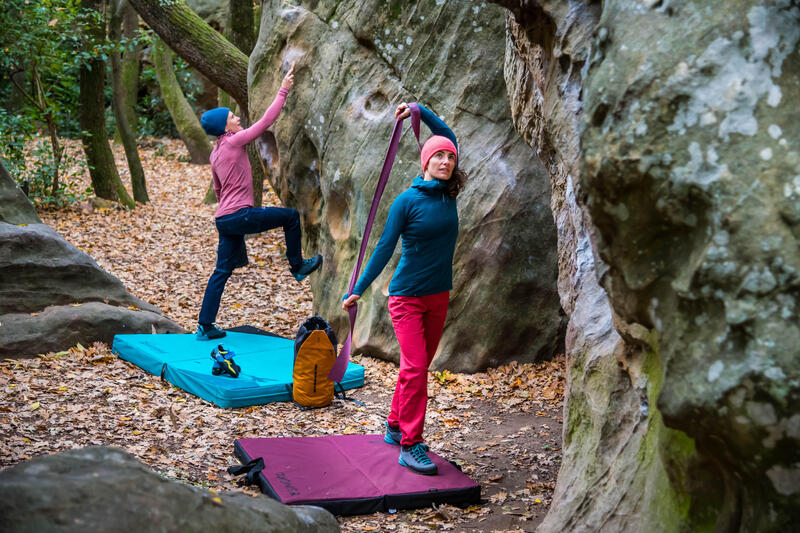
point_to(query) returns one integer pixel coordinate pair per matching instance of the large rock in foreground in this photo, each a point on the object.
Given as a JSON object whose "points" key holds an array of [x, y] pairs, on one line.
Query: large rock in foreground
{"points": [[44, 280], [105, 489], [355, 62]]}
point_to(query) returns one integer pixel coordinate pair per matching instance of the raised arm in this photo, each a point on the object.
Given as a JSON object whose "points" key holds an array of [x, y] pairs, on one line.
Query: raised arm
{"points": [[435, 124], [270, 115]]}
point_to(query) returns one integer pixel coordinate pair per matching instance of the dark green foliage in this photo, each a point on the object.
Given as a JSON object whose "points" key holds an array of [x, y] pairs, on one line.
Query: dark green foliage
{"points": [[40, 61], [42, 48]]}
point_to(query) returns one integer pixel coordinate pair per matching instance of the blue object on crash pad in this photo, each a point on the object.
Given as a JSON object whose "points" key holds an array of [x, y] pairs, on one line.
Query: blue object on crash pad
{"points": [[184, 361]]}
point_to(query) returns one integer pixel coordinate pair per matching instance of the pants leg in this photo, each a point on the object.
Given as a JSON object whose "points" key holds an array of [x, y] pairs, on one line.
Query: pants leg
{"points": [[213, 296], [433, 321], [231, 253], [418, 324], [260, 219], [411, 392]]}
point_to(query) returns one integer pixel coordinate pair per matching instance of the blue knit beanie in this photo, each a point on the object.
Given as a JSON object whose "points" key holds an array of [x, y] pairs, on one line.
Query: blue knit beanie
{"points": [[215, 120]]}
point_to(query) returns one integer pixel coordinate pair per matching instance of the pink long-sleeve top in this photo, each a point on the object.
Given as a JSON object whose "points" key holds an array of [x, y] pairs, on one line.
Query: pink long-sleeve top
{"points": [[233, 177]]}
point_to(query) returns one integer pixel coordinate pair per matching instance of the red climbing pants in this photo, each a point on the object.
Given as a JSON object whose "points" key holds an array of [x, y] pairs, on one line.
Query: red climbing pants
{"points": [[418, 323]]}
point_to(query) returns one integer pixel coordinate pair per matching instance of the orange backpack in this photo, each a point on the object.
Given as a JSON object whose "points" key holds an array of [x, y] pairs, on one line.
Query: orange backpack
{"points": [[314, 355]]}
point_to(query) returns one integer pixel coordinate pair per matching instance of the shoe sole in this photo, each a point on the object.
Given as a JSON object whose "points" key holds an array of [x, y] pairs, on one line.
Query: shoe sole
{"points": [[421, 472], [207, 338], [389, 440]]}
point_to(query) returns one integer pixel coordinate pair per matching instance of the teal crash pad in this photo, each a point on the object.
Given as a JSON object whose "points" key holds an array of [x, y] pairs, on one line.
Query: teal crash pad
{"points": [[184, 361]]}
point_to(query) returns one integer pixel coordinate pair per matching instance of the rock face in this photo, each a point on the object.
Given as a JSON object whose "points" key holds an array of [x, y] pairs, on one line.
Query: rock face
{"points": [[355, 62], [691, 172], [14, 205], [685, 174], [44, 281], [603, 477], [105, 489]]}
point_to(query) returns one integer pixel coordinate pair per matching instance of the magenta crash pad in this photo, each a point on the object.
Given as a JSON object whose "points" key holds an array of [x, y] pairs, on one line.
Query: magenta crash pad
{"points": [[351, 474]]}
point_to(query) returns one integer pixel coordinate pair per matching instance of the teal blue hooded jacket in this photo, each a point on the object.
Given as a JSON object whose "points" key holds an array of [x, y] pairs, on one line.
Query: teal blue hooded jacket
{"points": [[427, 221]]}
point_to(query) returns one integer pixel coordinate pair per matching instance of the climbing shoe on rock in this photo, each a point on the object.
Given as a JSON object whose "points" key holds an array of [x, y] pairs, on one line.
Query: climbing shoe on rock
{"points": [[415, 457], [223, 363], [393, 435], [211, 331], [306, 267]]}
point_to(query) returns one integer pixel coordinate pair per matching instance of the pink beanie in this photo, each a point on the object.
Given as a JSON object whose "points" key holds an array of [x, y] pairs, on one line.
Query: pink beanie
{"points": [[435, 144]]}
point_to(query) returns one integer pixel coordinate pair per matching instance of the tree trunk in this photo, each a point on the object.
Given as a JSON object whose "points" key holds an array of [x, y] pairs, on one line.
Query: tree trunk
{"points": [[225, 100], [240, 29], [129, 87], [211, 196], [51, 128], [241, 32], [102, 169], [198, 43], [120, 104], [182, 113]]}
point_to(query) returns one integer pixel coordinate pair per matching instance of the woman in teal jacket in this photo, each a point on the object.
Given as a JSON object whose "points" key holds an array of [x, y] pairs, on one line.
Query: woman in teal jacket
{"points": [[426, 217]]}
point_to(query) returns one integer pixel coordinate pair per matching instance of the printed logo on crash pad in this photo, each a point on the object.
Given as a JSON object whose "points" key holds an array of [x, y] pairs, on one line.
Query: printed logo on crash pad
{"points": [[287, 484]]}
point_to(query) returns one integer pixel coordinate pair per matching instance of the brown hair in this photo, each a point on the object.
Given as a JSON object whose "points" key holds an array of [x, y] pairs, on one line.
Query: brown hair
{"points": [[456, 183]]}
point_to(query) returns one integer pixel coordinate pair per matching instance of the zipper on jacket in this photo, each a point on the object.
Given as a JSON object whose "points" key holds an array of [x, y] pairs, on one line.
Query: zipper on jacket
{"points": [[315, 378]]}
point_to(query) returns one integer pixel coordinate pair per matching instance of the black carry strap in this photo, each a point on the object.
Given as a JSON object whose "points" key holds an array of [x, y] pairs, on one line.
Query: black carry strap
{"points": [[342, 396], [250, 471]]}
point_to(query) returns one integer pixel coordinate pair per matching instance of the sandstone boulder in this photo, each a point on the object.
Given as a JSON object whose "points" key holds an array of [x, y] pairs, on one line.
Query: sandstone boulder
{"points": [[690, 169], [355, 62], [676, 186], [605, 465], [106, 489], [43, 282], [14, 206]]}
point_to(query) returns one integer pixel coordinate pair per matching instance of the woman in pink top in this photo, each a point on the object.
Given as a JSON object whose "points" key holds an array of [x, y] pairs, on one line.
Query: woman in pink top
{"points": [[236, 216]]}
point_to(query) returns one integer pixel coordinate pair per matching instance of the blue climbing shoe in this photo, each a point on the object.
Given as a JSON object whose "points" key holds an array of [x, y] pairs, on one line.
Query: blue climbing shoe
{"points": [[223, 362], [415, 457], [392, 436], [207, 333], [306, 267]]}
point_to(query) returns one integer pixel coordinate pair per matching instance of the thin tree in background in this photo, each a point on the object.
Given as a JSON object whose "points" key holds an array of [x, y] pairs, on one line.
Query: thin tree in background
{"points": [[121, 104], [241, 32], [182, 114], [131, 56], [102, 168]]}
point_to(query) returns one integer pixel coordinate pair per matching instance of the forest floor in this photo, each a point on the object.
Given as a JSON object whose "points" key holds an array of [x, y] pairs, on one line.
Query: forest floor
{"points": [[502, 426]]}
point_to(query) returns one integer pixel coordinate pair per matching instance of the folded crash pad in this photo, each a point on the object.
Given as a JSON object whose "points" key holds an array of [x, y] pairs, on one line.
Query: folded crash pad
{"points": [[265, 359], [351, 474]]}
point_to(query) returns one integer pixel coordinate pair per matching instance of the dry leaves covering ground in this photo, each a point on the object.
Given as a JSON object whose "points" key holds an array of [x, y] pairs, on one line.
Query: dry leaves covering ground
{"points": [[503, 426]]}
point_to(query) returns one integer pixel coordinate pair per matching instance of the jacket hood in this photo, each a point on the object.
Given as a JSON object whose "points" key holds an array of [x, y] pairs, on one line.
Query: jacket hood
{"points": [[433, 186]]}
